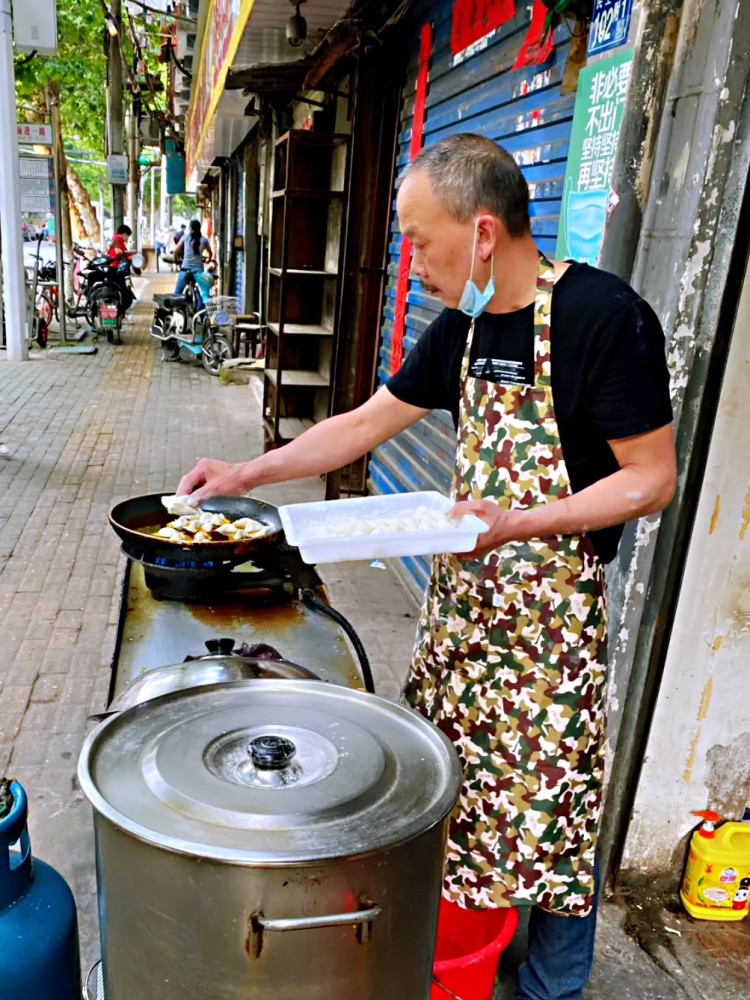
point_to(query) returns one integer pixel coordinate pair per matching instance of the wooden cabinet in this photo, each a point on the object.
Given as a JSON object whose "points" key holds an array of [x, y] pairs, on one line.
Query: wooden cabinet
{"points": [[305, 255]]}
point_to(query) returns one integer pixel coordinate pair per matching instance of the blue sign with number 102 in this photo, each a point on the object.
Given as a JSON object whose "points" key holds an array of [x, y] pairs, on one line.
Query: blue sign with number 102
{"points": [[610, 24]]}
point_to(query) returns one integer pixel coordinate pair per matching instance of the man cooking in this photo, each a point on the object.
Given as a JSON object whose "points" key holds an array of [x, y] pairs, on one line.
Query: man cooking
{"points": [[556, 378]]}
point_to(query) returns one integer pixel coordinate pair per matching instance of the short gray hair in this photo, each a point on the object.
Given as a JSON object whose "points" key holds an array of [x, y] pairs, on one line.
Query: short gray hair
{"points": [[470, 174]]}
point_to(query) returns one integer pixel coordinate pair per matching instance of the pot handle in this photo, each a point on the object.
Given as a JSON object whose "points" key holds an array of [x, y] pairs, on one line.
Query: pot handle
{"points": [[257, 925]]}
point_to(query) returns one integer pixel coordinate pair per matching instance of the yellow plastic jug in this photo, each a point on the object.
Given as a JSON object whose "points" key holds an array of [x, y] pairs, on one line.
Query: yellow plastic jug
{"points": [[716, 885]]}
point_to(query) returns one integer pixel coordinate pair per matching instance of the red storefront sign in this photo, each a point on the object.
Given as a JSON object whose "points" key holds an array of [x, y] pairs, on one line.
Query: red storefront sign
{"points": [[473, 19], [213, 68], [538, 44]]}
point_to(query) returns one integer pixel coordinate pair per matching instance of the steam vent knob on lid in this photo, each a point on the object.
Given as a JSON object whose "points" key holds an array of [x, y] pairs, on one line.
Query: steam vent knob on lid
{"points": [[269, 753]]}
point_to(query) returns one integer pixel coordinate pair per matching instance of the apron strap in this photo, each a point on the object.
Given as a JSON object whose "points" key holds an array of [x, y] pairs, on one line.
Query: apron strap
{"points": [[542, 323]]}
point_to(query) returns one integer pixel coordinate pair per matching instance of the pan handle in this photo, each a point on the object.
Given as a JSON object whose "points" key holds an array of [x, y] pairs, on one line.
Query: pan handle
{"points": [[257, 925]]}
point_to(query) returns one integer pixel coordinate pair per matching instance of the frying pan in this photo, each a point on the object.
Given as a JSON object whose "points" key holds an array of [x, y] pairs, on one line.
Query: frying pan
{"points": [[129, 516]]}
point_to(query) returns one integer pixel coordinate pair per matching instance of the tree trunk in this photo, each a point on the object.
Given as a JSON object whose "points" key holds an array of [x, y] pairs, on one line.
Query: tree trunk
{"points": [[65, 238], [80, 233], [67, 228], [86, 211]]}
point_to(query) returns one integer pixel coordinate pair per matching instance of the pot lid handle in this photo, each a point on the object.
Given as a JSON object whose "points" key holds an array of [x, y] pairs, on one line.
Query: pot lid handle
{"points": [[270, 753], [223, 646]]}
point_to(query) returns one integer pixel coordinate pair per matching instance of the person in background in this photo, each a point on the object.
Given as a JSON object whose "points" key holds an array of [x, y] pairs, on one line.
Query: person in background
{"points": [[118, 251], [179, 236], [159, 246], [118, 248], [190, 253]]}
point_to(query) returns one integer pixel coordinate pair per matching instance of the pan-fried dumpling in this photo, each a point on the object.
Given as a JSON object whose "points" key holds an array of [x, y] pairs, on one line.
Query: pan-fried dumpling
{"points": [[171, 533], [178, 506]]}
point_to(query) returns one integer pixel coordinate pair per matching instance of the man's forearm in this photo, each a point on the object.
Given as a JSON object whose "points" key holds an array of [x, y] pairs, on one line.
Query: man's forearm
{"points": [[329, 445], [624, 496]]}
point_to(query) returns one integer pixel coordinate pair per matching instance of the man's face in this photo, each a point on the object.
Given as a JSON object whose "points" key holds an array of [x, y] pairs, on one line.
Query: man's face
{"points": [[441, 245]]}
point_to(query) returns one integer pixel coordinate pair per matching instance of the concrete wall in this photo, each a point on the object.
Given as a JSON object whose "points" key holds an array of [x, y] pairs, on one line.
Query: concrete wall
{"points": [[697, 158], [698, 752]]}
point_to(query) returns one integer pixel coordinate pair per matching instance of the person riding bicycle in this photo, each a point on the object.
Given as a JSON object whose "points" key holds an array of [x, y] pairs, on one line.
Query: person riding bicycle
{"points": [[190, 253]]}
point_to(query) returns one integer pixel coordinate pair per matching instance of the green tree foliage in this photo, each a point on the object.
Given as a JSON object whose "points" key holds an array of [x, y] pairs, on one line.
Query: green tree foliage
{"points": [[185, 205], [80, 68]]}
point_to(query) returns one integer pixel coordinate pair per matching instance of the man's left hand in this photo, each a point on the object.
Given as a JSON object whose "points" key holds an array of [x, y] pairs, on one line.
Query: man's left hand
{"points": [[504, 525]]}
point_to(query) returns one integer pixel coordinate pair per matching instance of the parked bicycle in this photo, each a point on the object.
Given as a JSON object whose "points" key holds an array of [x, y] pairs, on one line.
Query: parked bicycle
{"points": [[47, 296], [48, 293], [37, 324]]}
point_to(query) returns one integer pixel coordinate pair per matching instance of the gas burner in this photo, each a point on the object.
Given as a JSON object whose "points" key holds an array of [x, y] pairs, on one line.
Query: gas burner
{"points": [[185, 582], [184, 563], [281, 573]]}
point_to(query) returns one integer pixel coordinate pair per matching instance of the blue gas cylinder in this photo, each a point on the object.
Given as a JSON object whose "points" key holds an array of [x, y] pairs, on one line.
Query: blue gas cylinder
{"points": [[38, 927]]}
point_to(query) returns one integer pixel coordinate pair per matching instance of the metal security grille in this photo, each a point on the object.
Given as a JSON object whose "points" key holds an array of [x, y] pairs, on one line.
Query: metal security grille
{"points": [[239, 229], [525, 112]]}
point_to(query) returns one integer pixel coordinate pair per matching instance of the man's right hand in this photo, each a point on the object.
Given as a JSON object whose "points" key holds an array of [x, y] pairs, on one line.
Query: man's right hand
{"points": [[211, 477]]}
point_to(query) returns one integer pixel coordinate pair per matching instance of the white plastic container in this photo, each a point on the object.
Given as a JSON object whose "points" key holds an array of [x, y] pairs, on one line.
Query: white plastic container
{"points": [[307, 525]]}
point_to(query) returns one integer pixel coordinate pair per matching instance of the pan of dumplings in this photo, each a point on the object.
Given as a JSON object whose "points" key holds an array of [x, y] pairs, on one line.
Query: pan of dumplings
{"points": [[157, 527]]}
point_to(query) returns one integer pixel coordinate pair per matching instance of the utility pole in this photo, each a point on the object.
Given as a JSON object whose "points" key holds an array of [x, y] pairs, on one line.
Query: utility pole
{"points": [[141, 207], [114, 106], [101, 215], [152, 175], [10, 199], [63, 229], [163, 192], [133, 176]]}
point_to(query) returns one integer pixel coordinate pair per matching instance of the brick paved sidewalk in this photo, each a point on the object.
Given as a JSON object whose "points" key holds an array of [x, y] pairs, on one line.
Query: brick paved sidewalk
{"points": [[84, 432]]}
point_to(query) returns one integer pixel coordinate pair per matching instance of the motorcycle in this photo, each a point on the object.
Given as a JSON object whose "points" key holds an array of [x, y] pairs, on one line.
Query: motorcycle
{"points": [[109, 294], [189, 325]]}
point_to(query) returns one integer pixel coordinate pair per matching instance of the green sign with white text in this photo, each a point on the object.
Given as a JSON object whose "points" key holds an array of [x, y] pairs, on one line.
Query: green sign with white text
{"points": [[597, 118]]}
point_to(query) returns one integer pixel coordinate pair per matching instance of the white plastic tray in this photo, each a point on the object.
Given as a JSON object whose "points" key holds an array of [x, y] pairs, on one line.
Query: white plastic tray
{"points": [[305, 523]]}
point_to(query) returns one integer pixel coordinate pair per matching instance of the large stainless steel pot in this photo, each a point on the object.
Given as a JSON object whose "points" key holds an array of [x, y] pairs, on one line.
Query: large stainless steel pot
{"points": [[269, 840]]}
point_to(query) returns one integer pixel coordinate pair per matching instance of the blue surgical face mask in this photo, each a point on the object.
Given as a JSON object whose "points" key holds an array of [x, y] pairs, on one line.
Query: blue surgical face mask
{"points": [[473, 302]]}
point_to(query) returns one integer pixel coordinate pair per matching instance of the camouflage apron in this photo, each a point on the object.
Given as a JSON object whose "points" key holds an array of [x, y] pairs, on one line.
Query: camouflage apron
{"points": [[510, 660]]}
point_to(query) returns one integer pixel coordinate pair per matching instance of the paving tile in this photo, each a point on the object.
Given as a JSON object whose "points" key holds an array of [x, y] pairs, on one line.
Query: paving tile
{"points": [[56, 661], [67, 618], [47, 688], [30, 747], [63, 638], [10, 723], [39, 717]]}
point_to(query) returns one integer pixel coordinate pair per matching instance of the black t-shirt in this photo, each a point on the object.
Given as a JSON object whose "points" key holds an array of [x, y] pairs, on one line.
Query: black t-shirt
{"points": [[609, 372]]}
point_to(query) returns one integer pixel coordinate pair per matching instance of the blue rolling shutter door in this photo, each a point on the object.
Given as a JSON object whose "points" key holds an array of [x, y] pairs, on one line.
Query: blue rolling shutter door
{"points": [[525, 112], [239, 229]]}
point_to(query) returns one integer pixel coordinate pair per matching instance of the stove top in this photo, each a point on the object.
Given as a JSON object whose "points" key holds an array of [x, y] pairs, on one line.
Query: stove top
{"points": [[283, 574], [244, 604]]}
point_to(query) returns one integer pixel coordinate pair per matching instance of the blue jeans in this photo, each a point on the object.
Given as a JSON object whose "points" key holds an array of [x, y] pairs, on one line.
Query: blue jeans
{"points": [[182, 278], [560, 954]]}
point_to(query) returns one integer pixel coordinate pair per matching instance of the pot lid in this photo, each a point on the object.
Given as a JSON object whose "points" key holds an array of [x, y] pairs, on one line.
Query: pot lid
{"points": [[206, 670], [270, 772]]}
